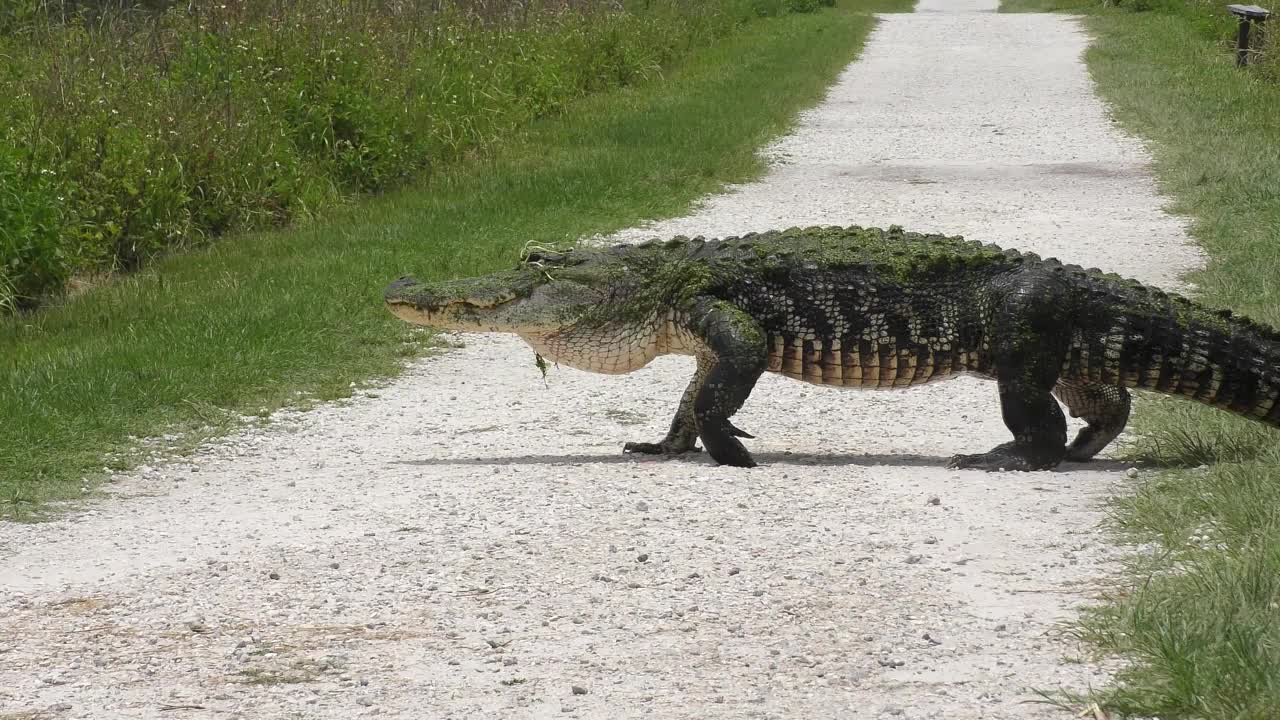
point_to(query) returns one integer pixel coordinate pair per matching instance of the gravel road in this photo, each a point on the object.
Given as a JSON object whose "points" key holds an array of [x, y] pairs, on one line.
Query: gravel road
{"points": [[468, 542]]}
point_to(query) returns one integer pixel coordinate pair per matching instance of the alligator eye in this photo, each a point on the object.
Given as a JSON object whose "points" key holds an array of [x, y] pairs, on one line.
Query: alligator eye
{"points": [[545, 256], [568, 258]]}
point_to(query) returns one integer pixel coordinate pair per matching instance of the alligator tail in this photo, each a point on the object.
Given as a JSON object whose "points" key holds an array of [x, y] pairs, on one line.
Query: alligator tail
{"points": [[1157, 341]]}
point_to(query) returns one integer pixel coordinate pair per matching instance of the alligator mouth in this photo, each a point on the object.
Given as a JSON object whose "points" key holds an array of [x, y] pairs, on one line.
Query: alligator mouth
{"points": [[434, 314], [442, 312], [436, 305], [409, 312], [441, 307], [437, 308]]}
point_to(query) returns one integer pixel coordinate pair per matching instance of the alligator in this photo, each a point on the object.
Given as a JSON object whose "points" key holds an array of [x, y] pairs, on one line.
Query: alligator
{"points": [[874, 308]]}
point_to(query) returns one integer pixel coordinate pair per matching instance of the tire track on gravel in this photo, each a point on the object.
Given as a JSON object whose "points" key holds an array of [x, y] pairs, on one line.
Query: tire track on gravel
{"points": [[466, 542]]}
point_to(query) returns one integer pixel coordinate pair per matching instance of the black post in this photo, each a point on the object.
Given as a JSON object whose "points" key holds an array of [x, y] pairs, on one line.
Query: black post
{"points": [[1242, 42], [1248, 14]]}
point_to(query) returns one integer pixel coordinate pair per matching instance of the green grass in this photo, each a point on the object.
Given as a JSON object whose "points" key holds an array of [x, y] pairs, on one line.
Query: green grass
{"points": [[257, 322], [1200, 614]]}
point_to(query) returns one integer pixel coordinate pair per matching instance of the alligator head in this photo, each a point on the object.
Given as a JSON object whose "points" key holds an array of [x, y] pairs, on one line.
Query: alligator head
{"points": [[546, 292], [572, 307]]}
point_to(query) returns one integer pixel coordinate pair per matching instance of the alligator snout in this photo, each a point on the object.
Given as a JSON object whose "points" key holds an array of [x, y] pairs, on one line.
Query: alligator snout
{"points": [[401, 283]]}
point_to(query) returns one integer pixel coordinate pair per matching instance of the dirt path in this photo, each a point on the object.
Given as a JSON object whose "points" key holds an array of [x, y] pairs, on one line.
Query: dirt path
{"points": [[466, 542]]}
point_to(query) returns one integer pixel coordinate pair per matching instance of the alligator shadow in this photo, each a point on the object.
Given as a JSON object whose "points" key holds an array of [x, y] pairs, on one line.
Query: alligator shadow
{"points": [[764, 458]]}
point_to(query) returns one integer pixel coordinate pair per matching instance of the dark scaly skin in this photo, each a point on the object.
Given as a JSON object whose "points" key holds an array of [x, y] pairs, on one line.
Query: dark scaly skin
{"points": [[870, 308]]}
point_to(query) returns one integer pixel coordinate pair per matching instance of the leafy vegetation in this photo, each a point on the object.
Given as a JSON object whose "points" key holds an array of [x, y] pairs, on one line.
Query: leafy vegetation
{"points": [[258, 321], [134, 128], [1200, 616]]}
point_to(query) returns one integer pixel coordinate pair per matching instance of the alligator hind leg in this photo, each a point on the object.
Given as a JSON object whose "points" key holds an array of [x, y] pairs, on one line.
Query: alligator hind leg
{"points": [[1039, 433], [732, 358], [1027, 347], [1104, 407]]}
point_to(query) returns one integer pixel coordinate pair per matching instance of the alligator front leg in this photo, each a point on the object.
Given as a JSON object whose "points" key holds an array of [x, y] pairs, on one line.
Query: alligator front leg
{"points": [[683, 435], [731, 359]]}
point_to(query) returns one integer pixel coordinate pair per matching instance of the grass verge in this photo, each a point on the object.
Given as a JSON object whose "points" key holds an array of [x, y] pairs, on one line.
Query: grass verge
{"points": [[1200, 613], [254, 323]]}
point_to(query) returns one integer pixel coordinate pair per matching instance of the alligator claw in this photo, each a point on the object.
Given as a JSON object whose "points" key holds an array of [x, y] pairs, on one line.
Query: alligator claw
{"points": [[720, 438], [1003, 457], [738, 432], [659, 448], [977, 462], [726, 450]]}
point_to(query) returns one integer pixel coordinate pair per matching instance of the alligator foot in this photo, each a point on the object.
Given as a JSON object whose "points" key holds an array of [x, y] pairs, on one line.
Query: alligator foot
{"points": [[724, 447], [678, 447], [731, 450], [1007, 457], [666, 447], [1104, 407], [1087, 444]]}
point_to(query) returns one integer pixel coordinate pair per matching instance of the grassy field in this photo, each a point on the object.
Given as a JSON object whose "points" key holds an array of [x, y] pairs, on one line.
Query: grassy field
{"points": [[1200, 614], [262, 321]]}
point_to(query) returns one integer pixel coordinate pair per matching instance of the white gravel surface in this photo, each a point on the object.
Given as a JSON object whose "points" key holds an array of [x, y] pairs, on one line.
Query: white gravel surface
{"points": [[467, 542]]}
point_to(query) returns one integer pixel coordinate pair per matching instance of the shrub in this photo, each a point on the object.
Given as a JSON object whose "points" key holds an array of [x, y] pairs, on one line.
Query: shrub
{"points": [[31, 226], [161, 125], [803, 6]]}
